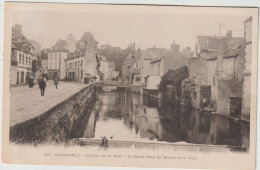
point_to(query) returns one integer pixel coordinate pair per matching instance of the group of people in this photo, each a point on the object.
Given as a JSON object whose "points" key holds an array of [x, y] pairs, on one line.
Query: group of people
{"points": [[42, 83]]}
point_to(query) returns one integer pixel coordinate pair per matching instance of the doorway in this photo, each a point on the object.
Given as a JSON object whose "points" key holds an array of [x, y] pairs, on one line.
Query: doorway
{"points": [[235, 107]]}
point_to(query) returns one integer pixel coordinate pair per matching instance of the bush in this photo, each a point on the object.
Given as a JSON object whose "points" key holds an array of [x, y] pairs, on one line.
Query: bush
{"points": [[173, 79]]}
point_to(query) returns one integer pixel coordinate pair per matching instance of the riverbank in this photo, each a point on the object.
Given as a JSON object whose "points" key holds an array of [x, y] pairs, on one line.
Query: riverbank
{"points": [[60, 120], [27, 103]]}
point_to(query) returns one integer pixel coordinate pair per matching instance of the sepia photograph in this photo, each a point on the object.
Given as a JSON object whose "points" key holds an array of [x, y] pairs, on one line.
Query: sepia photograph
{"points": [[129, 85]]}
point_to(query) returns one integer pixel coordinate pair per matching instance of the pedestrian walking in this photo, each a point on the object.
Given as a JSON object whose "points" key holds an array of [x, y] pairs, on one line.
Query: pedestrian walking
{"points": [[42, 85], [30, 82], [56, 80]]}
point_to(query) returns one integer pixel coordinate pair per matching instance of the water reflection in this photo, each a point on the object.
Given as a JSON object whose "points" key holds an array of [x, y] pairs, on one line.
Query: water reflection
{"points": [[132, 117]]}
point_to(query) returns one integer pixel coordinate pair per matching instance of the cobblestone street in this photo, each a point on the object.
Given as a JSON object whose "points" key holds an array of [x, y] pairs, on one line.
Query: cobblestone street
{"points": [[27, 103]]}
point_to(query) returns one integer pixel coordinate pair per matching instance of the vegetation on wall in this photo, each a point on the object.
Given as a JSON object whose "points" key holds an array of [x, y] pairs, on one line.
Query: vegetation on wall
{"points": [[170, 85]]}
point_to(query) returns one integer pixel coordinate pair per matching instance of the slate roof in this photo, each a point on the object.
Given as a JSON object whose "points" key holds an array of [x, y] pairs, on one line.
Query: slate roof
{"points": [[17, 35], [60, 46], [19, 41], [208, 42], [233, 49], [88, 36], [212, 56]]}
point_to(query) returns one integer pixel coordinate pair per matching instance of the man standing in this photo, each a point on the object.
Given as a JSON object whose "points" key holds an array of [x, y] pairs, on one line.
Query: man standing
{"points": [[30, 82], [56, 79], [42, 85]]}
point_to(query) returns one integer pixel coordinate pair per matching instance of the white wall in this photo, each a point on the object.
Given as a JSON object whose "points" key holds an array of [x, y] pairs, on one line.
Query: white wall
{"points": [[153, 82], [63, 57]]}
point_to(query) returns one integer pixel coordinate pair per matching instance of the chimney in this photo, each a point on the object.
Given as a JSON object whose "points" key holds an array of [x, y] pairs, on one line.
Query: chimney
{"points": [[229, 34], [220, 30], [18, 27]]}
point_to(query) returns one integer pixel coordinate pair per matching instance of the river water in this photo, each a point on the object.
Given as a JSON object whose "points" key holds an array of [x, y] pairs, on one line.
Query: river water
{"points": [[129, 116]]}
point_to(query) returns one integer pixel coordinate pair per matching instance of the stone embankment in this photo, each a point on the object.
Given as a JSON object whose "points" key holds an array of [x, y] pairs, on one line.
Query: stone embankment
{"points": [[59, 123]]}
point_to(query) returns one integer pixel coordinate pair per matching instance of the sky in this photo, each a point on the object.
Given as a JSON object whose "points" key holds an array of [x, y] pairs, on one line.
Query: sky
{"points": [[120, 29]]}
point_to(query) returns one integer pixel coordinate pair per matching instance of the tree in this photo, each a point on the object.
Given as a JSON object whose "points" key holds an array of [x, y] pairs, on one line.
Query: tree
{"points": [[115, 54], [170, 85]]}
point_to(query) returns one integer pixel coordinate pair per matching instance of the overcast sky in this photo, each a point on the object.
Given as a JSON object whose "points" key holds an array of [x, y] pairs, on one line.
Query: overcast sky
{"points": [[119, 29]]}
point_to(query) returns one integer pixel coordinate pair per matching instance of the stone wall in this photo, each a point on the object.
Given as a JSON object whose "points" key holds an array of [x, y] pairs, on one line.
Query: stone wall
{"points": [[227, 89], [198, 69], [58, 123]]}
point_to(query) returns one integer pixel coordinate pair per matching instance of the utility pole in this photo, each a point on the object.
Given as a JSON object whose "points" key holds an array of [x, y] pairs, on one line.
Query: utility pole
{"points": [[219, 29]]}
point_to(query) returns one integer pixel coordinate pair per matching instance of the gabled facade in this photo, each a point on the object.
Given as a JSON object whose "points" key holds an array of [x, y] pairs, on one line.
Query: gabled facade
{"points": [[23, 57], [83, 64], [56, 60]]}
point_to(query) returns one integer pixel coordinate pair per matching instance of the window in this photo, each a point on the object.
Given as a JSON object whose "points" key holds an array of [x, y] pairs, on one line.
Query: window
{"points": [[50, 65], [76, 64], [26, 60], [214, 81], [81, 63], [20, 58], [23, 59], [29, 61], [55, 65]]}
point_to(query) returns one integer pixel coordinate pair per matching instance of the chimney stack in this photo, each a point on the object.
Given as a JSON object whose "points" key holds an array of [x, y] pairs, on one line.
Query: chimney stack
{"points": [[18, 27], [220, 30], [229, 34]]}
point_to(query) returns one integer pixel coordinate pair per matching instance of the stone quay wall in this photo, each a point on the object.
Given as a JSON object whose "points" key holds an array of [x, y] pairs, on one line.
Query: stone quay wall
{"points": [[56, 124]]}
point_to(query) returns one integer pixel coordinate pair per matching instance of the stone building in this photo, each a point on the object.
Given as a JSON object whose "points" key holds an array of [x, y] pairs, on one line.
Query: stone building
{"points": [[56, 60], [126, 67], [83, 64], [168, 60], [23, 57], [104, 68], [217, 71], [247, 72], [111, 70]]}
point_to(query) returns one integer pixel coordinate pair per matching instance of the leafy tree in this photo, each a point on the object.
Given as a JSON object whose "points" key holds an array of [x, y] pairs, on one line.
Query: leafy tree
{"points": [[115, 54], [170, 85]]}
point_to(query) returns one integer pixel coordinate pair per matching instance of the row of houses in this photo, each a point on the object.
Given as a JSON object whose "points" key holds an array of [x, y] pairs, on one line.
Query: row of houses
{"points": [[220, 73], [107, 69], [78, 61], [23, 57], [144, 68]]}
